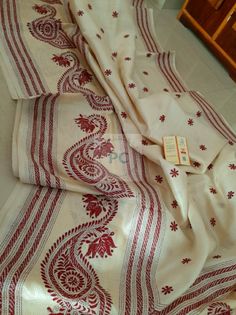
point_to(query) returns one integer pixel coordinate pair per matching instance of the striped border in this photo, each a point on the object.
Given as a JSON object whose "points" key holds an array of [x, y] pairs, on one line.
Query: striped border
{"points": [[24, 243], [42, 113], [26, 73]]}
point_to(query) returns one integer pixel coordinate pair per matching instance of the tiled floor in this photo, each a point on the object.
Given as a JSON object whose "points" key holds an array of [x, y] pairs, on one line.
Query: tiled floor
{"points": [[200, 70]]}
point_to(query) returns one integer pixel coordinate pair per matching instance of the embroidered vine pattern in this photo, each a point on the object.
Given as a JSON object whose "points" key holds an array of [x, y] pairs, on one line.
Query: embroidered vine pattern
{"points": [[81, 161], [218, 308], [66, 270], [75, 78], [49, 29]]}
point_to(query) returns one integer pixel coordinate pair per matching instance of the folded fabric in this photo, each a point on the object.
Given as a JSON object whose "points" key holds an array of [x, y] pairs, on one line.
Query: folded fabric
{"points": [[100, 223]]}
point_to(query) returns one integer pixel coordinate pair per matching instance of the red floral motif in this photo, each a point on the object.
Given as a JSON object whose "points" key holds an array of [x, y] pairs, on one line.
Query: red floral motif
{"points": [[230, 194], [61, 61], [203, 147], [196, 164], [131, 85], [199, 113], [126, 36], [145, 72], [213, 190], [174, 172], [103, 148], [145, 89], [216, 256], [127, 58], [115, 14], [190, 122], [186, 260], [114, 54], [174, 204], [230, 143], [101, 246], [219, 308], [159, 179], [94, 205], [98, 36], [213, 221], [107, 72], [232, 166], [210, 166], [144, 142], [85, 124], [80, 13], [90, 6], [85, 77], [162, 118], [178, 95], [173, 226], [124, 115], [148, 55], [41, 9], [167, 290], [165, 90]]}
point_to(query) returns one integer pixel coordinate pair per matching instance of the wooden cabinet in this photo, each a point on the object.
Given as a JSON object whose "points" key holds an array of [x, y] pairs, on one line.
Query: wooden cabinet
{"points": [[214, 21]]}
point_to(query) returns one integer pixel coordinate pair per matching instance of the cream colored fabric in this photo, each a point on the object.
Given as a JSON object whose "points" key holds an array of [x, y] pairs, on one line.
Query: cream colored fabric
{"points": [[100, 222]]}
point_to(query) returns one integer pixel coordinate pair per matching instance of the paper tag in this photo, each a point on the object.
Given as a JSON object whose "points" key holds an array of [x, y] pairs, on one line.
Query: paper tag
{"points": [[176, 150]]}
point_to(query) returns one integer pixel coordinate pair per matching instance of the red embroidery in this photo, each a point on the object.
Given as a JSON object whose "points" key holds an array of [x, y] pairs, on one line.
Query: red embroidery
{"points": [[108, 72], [210, 166], [178, 95], [127, 58], [166, 90], [230, 194], [90, 6], [148, 55], [131, 85], [174, 204], [74, 79], [162, 118], [94, 205], [98, 36], [66, 271], [101, 246], [48, 29], [124, 115], [79, 160], [213, 221], [80, 12], [159, 179], [199, 113], [196, 164], [145, 89], [115, 14], [202, 147], [145, 72], [114, 54], [102, 30], [230, 143], [174, 172], [190, 122], [232, 166], [126, 36], [186, 260], [218, 308], [213, 190], [52, 1], [167, 289], [173, 226], [216, 256], [144, 142]]}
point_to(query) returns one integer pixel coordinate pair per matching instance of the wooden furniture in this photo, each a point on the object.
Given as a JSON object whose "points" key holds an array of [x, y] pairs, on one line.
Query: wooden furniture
{"points": [[214, 21]]}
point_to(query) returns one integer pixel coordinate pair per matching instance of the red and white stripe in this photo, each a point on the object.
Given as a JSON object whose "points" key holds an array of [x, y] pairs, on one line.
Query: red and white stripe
{"points": [[27, 75], [24, 243], [43, 114]]}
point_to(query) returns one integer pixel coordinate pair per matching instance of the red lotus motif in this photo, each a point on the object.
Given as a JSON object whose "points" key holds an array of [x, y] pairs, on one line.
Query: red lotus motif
{"points": [[103, 149], [61, 61], [85, 77], [85, 124], [94, 205], [101, 246]]}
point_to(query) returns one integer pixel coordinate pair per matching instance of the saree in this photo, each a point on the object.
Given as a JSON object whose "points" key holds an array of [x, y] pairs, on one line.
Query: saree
{"points": [[99, 221]]}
